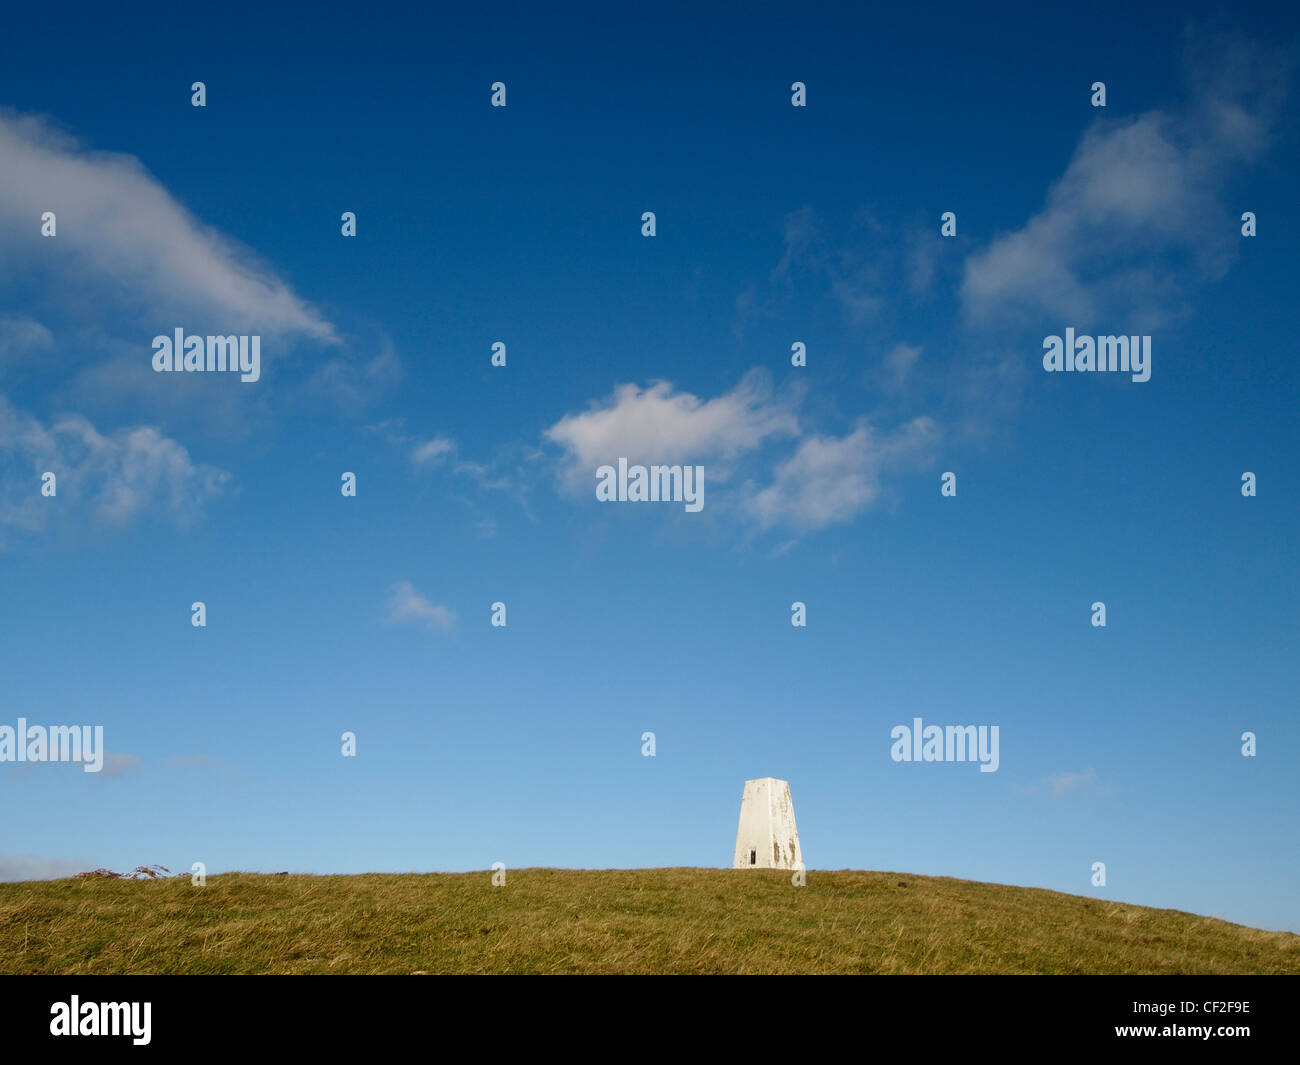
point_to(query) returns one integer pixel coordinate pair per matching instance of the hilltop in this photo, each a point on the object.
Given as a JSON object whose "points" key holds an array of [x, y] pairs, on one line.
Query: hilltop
{"points": [[608, 921]]}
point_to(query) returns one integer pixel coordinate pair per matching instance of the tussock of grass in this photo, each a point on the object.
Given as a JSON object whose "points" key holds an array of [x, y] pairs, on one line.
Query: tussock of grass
{"points": [[608, 921]]}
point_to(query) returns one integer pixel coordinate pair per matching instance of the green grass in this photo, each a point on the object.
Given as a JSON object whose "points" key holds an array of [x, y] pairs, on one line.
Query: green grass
{"points": [[608, 921]]}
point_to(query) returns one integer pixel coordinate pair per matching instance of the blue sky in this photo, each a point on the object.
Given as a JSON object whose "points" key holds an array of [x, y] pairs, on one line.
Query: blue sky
{"points": [[774, 224]]}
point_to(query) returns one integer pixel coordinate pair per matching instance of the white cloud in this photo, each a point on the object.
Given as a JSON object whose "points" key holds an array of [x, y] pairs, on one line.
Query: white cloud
{"points": [[423, 452], [119, 227], [407, 606], [20, 335], [433, 452], [1066, 782], [827, 479], [831, 479], [660, 425], [1135, 219], [116, 475]]}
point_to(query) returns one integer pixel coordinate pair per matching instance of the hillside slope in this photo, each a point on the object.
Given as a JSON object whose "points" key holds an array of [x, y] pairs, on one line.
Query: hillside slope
{"points": [[608, 921]]}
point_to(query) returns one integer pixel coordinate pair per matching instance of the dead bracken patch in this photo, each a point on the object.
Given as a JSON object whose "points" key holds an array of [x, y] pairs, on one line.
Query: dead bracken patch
{"points": [[140, 872]]}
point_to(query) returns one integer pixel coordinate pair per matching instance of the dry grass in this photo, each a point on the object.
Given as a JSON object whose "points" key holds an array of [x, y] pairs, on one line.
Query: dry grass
{"points": [[608, 921]]}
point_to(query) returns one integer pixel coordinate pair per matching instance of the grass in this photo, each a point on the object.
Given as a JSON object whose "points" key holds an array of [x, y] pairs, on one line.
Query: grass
{"points": [[608, 921]]}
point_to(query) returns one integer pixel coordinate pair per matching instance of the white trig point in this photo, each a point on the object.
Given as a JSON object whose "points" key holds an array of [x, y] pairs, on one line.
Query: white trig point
{"points": [[767, 838]]}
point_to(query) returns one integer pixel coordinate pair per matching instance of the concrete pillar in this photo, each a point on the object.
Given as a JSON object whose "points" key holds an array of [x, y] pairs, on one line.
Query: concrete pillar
{"points": [[767, 837]]}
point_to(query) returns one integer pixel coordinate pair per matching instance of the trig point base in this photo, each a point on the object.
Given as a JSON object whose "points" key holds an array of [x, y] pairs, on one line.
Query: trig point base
{"points": [[767, 837]]}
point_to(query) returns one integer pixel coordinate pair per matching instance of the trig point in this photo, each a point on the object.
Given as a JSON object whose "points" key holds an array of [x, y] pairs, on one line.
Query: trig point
{"points": [[767, 838]]}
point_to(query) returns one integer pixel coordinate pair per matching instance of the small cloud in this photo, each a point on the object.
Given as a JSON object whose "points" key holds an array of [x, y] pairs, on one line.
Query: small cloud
{"points": [[407, 606], [117, 764], [658, 424], [424, 453], [1066, 782], [433, 452], [831, 479], [898, 365]]}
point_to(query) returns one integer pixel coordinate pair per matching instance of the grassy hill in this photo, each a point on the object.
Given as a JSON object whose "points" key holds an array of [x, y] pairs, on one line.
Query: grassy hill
{"points": [[608, 921]]}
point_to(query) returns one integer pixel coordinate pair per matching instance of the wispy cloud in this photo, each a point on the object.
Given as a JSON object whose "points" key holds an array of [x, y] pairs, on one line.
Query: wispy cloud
{"points": [[112, 477], [352, 384], [1136, 217], [509, 471], [424, 452], [831, 479], [406, 606], [115, 765], [856, 279], [433, 452], [896, 369], [20, 336], [1063, 783], [858, 262], [120, 229]]}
